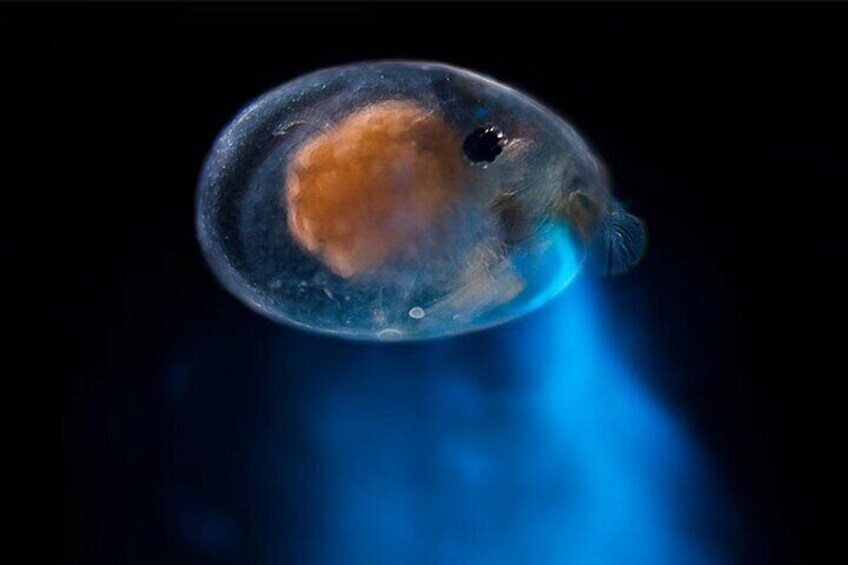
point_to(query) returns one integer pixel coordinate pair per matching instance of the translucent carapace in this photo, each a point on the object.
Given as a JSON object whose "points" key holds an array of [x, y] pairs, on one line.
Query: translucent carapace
{"points": [[404, 200]]}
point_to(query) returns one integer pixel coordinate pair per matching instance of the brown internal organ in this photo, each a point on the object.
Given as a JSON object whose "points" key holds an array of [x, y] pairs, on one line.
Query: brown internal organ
{"points": [[375, 188]]}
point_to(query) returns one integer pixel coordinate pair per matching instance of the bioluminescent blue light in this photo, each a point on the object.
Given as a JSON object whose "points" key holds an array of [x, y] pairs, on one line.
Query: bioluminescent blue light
{"points": [[535, 443]]}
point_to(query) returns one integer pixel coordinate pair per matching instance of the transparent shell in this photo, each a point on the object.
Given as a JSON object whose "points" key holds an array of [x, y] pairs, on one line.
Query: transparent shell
{"points": [[414, 235]]}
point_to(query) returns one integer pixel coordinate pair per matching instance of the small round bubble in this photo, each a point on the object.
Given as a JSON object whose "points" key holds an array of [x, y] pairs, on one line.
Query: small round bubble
{"points": [[416, 312]]}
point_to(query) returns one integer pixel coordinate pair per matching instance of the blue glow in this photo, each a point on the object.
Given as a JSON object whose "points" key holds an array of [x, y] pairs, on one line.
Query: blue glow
{"points": [[534, 443], [565, 264], [206, 529]]}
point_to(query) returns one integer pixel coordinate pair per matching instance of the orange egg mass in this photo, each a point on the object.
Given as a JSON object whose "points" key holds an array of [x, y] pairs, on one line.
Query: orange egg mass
{"points": [[375, 188]]}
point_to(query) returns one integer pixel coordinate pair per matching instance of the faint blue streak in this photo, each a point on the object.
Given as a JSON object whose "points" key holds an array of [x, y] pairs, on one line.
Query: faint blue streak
{"points": [[535, 444]]}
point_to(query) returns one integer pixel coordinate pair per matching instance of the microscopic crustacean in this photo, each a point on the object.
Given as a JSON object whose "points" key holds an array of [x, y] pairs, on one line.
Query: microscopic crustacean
{"points": [[404, 200]]}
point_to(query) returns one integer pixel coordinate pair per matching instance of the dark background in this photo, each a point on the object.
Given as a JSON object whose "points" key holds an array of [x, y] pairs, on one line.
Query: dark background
{"points": [[724, 127]]}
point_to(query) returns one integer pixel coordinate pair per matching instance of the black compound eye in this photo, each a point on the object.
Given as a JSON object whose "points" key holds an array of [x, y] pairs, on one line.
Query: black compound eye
{"points": [[484, 144]]}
